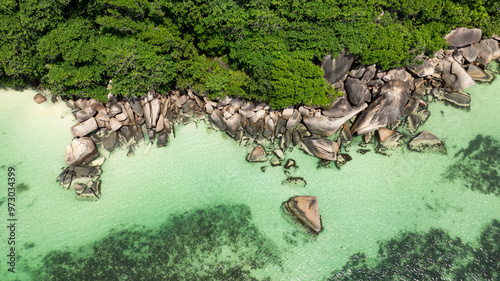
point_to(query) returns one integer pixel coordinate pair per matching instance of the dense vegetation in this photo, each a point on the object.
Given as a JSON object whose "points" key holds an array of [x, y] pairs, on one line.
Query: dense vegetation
{"points": [[265, 50]]}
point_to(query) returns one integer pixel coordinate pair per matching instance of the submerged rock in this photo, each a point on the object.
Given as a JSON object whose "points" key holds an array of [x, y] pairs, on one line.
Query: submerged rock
{"points": [[295, 181], [426, 141], [111, 141], [304, 209]]}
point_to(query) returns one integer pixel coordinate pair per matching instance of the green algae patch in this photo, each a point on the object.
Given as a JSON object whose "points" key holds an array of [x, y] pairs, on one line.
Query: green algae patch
{"points": [[478, 165], [428, 256], [215, 243]]}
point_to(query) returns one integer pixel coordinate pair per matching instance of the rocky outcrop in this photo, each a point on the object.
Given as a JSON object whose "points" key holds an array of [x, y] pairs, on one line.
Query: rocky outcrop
{"points": [[305, 210], [80, 150], [426, 141], [387, 108]]}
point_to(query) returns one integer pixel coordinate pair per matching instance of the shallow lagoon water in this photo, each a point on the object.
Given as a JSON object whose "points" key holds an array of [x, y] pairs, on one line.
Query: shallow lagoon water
{"points": [[196, 209]]}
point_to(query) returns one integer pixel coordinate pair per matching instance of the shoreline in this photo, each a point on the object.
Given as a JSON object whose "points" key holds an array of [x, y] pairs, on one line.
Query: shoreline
{"points": [[373, 100]]}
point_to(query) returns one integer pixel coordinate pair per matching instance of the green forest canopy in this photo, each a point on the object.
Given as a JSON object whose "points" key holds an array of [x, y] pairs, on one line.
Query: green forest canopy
{"points": [[266, 50]]}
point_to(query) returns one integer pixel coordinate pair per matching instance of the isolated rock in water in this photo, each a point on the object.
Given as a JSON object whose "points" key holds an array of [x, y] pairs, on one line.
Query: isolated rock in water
{"points": [[336, 68], [387, 108], [455, 76], [357, 92], [84, 128], [218, 119], [426, 141], [462, 36], [295, 182], [38, 98], [80, 150], [258, 154], [304, 209], [111, 141], [321, 148]]}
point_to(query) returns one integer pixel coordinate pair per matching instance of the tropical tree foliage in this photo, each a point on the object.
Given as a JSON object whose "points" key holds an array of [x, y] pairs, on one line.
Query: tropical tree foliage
{"points": [[264, 50]]}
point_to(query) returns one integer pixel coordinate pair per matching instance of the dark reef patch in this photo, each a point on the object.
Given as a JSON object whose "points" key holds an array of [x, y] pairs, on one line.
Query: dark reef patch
{"points": [[478, 165], [430, 256], [216, 243], [22, 187]]}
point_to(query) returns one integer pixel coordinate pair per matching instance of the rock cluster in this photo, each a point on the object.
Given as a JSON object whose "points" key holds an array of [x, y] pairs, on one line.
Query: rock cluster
{"points": [[374, 101]]}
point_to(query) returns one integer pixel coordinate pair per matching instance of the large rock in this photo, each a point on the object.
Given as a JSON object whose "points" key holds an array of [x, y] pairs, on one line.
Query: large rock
{"points": [[304, 209], [485, 53], [462, 36], [336, 68], [233, 123], [426, 141], [258, 154], [293, 120], [455, 76], [84, 128], [425, 69], [321, 148], [115, 124], [470, 53], [357, 92], [495, 48], [155, 111], [38, 98], [218, 119], [387, 108], [80, 150], [340, 108], [326, 127]]}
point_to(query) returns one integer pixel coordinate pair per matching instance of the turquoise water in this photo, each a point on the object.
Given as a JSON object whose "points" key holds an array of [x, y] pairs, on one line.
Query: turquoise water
{"points": [[196, 209]]}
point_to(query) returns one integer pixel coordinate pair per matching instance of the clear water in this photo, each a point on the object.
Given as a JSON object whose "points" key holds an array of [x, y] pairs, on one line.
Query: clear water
{"points": [[197, 210]]}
